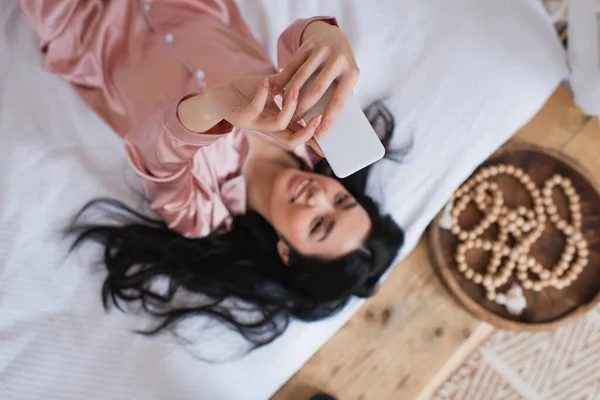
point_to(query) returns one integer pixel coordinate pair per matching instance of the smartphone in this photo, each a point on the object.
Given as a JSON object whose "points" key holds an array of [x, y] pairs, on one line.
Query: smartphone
{"points": [[351, 143]]}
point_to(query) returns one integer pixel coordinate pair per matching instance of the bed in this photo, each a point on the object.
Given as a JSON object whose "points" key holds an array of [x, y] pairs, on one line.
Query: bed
{"points": [[57, 342]]}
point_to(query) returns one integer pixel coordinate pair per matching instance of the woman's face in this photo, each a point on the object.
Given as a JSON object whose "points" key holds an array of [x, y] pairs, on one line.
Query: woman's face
{"points": [[316, 215]]}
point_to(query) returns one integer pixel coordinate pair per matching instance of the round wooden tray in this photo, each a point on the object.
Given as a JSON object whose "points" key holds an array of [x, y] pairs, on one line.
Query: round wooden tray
{"points": [[549, 308]]}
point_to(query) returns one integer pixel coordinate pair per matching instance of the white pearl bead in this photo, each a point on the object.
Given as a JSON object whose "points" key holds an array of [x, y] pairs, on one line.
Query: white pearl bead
{"points": [[575, 199], [537, 286], [527, 284], [477, 278], [583, 261], [559, 285], [469, 273], [462, 267], [169, 38], [510, 169], [491, 296], [522, 276], [530, 186], [545, 274], [502, 168], [463, 236], [200, 74]]}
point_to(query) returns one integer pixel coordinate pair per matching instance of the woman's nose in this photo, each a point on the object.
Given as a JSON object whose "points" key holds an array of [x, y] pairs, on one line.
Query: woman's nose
{"points": [[315, 197]]}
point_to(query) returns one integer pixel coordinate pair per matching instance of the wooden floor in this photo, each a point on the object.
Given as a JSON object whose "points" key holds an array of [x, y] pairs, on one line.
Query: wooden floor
{"points": [[408, 338]]}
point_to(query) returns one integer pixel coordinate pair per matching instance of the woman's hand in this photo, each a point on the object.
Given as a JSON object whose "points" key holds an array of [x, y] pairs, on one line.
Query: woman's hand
{"points": [[247, 103], [325, 49]]}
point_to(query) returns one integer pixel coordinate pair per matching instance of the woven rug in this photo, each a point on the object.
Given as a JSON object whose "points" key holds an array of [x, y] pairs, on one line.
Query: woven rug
{"points": [[559, 365]]}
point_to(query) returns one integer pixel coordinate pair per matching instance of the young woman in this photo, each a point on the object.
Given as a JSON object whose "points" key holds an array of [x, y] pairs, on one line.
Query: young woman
{"points": [[251, 219]]}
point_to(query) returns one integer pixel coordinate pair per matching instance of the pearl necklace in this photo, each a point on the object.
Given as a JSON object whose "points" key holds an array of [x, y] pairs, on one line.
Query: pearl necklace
{"points": [[524, 225]]}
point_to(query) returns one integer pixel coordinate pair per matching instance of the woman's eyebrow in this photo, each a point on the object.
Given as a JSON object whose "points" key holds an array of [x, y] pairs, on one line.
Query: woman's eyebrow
{"points": [[332, 223], [327, 231], [350, 206]]}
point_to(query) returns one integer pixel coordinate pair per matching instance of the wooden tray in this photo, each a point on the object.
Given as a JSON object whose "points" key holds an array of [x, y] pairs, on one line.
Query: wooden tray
{"points": [[549, 308]]}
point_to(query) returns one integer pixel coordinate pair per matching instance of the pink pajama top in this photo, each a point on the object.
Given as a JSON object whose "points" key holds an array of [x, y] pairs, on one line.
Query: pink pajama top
{"points": [[132, 62]]}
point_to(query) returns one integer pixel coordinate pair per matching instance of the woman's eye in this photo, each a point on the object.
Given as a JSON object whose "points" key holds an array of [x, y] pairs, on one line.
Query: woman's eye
{"points": [[341, 199], [316, 225]]}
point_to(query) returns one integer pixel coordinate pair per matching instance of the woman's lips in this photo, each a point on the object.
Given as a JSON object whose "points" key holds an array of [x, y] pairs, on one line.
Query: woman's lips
{"points": [[297, 186]]}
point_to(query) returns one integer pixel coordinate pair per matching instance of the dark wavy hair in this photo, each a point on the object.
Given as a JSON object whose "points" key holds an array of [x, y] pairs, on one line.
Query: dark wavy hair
{"points": [[243, 282]]}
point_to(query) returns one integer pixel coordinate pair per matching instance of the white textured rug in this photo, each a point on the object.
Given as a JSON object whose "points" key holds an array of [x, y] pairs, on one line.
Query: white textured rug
{"points": [[559, 365]]}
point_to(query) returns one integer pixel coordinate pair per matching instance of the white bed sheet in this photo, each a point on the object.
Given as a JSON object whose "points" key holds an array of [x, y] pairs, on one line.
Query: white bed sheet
{"points": [[460, 79]]}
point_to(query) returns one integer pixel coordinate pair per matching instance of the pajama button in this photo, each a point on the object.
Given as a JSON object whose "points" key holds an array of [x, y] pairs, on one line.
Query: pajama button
{"points": [[169, 37], [200, 74]]}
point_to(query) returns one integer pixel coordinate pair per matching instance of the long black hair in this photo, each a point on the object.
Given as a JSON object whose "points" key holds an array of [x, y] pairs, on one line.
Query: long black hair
{"points": [[239, 274]]}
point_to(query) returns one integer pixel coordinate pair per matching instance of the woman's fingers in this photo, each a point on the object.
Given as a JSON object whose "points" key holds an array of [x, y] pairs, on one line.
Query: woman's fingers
{"points": [[308, 68], [331, 70], [253, 110], [280, 122], [338, 100], [294, 139], [282, 78], [290, 104]]}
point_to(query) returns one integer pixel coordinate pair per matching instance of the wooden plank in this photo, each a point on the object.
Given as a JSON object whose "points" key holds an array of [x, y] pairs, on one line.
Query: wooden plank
{"points": [[395, 343], [556, 123], [585, 149], [407, 339]]}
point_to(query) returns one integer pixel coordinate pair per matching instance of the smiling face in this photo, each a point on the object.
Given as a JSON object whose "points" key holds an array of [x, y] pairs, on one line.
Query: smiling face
{"points": [[316, 215]]}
